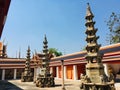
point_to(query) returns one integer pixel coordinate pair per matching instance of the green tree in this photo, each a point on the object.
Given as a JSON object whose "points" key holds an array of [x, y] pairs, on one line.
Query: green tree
{"points": [[113, 24], [54, 51]]}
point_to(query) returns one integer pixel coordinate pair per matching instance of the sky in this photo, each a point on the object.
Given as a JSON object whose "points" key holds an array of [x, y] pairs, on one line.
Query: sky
{"points": [[63, 22]]}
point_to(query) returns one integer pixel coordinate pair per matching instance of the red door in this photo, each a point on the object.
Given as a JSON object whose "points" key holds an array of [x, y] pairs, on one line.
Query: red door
{"points": [[69, 71], [80, 69]]}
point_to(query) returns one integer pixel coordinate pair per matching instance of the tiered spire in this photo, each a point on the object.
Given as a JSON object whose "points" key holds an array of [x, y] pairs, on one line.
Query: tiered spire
{"points": [[27, 75], [45, 59], [45, 79], [45, 42], [92, 45], [95, 78], [27, 66], [89, 12]]}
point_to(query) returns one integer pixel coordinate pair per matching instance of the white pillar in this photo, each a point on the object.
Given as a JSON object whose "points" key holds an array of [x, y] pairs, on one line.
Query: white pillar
{"points": [[75, 74], [15, 72], [65, 77], [3, 74], [35, 73], [38, 71], [51, 70], [57, 72], [106, 69]]}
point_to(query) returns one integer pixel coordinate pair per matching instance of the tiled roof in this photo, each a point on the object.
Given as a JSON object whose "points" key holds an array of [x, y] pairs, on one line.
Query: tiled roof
{"points": [[111, 53]]}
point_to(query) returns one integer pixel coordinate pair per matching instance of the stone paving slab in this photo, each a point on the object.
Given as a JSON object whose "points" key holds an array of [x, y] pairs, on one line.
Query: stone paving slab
{"points": [[69, 84], [18, 85]]}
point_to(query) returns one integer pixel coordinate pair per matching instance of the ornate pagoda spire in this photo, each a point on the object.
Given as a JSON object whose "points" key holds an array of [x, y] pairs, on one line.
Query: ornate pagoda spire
{"points": [[45, 42], [95, 78], [27, 66], [93, 56], [27, 74], [92, 45], [89, 12], [45, 59], [45, 79]]}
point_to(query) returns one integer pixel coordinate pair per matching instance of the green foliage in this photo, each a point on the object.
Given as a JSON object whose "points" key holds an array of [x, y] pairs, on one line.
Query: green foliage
{"points": [[84, 48], [114, 26], [55, 52]]}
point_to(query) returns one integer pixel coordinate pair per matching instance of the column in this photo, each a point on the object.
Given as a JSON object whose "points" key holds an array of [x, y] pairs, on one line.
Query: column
{"points": [[15, 72], [35, 74], [38, 71], [57, 72], [75, 74], [62, 69], [65, 76], [51, 70], [106, 69], [3, 74]]}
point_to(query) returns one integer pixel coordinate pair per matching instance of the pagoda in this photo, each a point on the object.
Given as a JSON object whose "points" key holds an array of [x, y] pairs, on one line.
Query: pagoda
{"points": [[27, 75], [45, 79], [95, 78]]}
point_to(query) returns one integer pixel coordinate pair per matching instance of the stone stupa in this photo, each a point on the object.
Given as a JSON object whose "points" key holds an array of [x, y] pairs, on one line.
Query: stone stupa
{"points": [[95, 78], [45, 79], [27, 75]]}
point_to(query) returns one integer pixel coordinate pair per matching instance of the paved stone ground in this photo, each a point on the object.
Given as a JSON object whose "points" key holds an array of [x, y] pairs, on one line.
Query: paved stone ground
{"points": [[18, 85], [6, 85]]}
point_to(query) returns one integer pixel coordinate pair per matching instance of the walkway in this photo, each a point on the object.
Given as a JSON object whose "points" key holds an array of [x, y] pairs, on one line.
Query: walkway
{"points": [[18, 85]]}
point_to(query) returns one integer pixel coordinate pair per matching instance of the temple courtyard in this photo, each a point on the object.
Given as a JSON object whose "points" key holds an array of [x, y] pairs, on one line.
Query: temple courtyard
{"points": [[18, 85]]}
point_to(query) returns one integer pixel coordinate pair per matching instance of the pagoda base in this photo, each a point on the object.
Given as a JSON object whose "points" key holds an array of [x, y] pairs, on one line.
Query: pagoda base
{"points": [[95, 78], [26, 78], [45, 82], [95, 72], [98, 86]]}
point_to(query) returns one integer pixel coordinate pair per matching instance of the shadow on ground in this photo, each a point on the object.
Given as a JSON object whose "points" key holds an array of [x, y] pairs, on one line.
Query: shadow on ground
{"points": [[58, 85], [5, 85]]}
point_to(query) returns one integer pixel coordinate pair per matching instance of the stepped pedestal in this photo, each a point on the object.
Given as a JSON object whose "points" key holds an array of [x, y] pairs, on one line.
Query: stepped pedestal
{"points": [[26, 77], [45, 82]]}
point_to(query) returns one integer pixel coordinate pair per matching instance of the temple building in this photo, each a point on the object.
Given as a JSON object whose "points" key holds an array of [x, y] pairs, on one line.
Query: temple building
{"points": [[11, 68], [74, 64], [4, 7]]}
